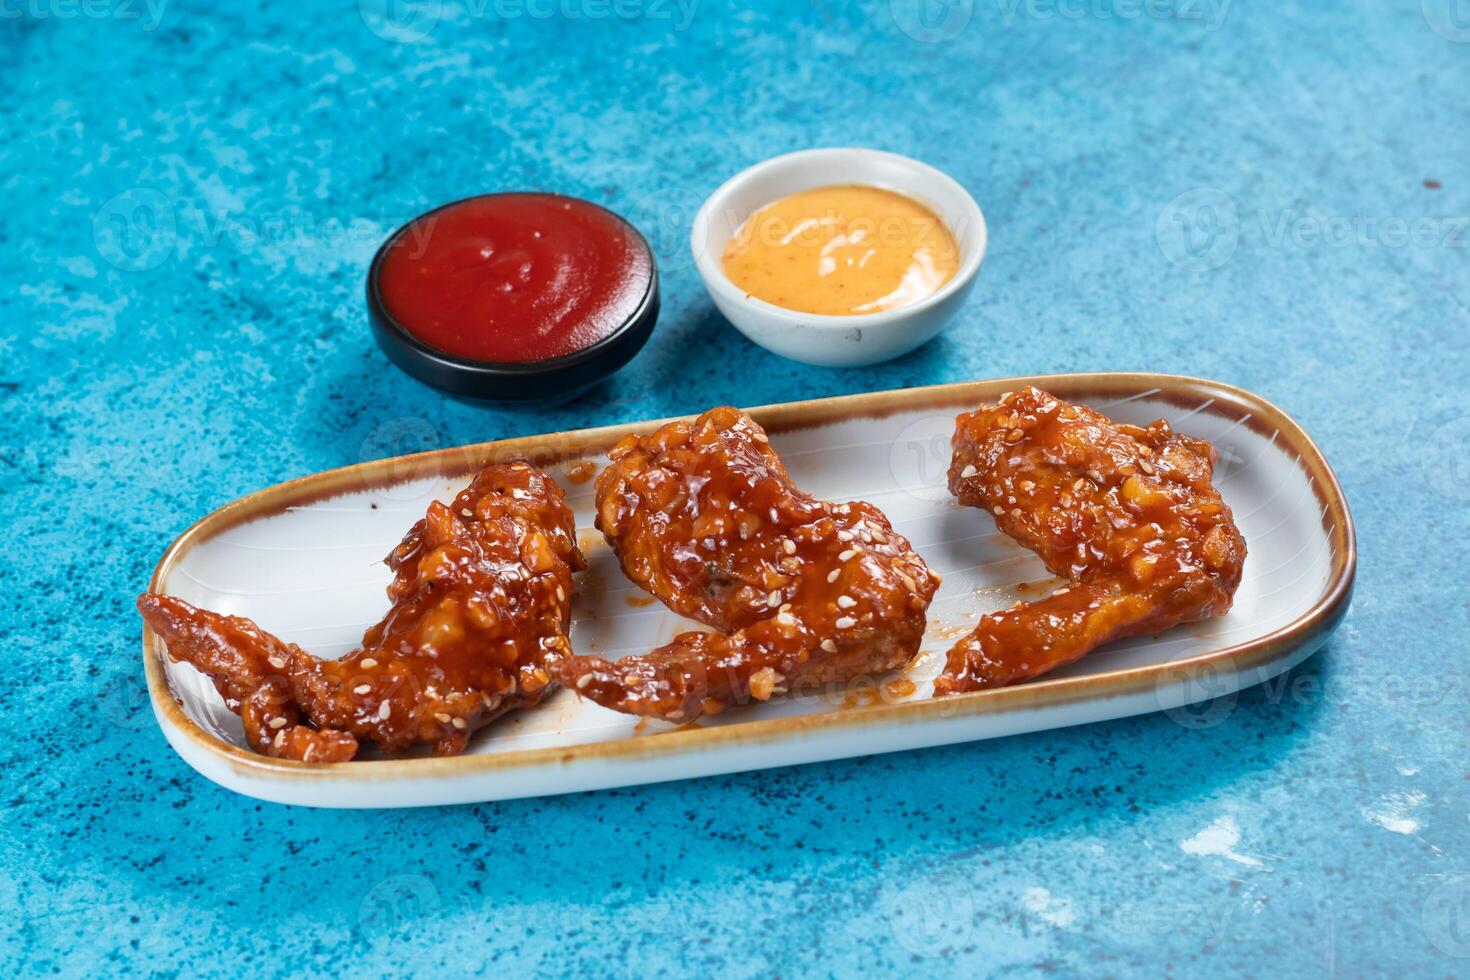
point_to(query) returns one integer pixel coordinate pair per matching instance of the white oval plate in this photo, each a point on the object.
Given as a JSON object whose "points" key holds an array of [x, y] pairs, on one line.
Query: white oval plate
{"points": [[303, 559]]}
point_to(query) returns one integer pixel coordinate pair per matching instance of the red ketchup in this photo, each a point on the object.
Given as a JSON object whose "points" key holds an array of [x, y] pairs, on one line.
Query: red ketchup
{"points": [[515, 277]]}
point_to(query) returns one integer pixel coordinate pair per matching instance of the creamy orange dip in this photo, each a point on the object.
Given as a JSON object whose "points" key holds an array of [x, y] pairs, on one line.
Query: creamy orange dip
{"points": [[842, 250]]}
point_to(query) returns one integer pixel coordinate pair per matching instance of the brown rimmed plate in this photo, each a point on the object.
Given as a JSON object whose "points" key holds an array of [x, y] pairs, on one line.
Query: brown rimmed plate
{"points": [[302, 559]]}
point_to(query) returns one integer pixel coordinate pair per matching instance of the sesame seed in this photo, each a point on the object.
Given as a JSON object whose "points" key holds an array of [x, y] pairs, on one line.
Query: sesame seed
{"points": [[846, 602], [583, 681], [845, 623], [368, 664], [278, 663], [1094, 476], [460, 723], [774, 598], [561, 595], [385, 709], [763, 683], [442, 718], [362, 689], [788, 546], [1014, 435], [998, 510], [760, 436], [844, 535], [847, 555], [277, 723], [829, 646], [832, 575], [467, 512], [1146, 466], [968, 472], [306, 756], [279, 740], [785, 619]]}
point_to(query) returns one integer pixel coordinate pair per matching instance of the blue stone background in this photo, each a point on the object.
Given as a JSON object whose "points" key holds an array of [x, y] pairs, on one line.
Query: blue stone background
{"points": [[1272, 194]]}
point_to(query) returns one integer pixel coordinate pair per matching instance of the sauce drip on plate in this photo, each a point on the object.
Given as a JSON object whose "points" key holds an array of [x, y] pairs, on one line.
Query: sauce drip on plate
{"points": [[842, 250], [510, 278]]}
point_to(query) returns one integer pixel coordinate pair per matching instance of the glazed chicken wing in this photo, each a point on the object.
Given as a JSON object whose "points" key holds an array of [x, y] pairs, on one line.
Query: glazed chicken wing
{"points": [[703, 515], [481, 594], [1127, 514]]}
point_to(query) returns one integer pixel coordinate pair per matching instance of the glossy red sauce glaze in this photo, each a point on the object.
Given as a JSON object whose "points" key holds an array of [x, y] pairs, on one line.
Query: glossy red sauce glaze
{"points": [[515, 277], [1127, 514], [800, 592]]}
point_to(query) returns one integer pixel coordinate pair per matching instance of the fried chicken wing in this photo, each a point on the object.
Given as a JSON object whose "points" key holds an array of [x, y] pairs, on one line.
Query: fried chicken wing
{"points": [[704, 516], [1126, 514], [481, 598]]}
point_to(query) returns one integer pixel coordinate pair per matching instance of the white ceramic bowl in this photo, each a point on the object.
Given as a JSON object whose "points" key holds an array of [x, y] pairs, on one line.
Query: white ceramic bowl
{"points": [[836, 341]]}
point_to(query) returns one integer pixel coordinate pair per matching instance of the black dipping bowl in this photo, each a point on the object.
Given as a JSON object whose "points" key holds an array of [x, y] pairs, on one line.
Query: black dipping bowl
{"points": [[519, 383]]}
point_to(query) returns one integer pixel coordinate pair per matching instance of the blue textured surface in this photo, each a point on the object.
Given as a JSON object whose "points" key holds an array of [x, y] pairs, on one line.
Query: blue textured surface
{"points": [[1272, 195]]}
